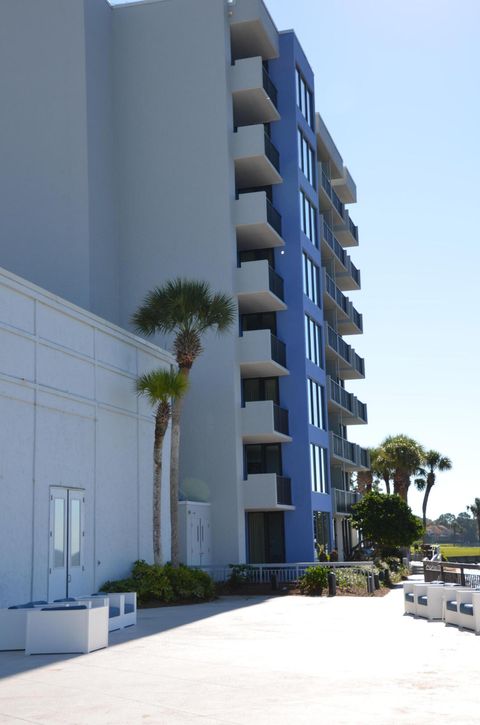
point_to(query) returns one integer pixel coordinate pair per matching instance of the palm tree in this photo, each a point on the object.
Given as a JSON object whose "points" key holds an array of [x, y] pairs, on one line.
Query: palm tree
{"points": [[379, 467], [404, 456], [186, 309], [160, 387], [475, 511], [426, 476]]}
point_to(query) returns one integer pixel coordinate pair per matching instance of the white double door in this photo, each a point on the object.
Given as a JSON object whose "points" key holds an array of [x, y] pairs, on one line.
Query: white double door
{"points": [[199, 537], [67, 543]]}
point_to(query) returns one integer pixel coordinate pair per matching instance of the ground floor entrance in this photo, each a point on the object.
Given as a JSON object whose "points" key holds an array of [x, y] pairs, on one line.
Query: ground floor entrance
{"points": [[66, 571], [265, 537]]}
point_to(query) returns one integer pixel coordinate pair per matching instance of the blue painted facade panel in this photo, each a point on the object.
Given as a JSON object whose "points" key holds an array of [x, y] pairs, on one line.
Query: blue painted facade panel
{"points": [[299, 534]]}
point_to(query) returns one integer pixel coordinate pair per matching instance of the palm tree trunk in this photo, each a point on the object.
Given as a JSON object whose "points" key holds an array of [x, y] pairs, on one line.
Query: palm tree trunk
{"points": [[161, 425], [387, 484], [175, 475], [401, 482], [424, 507]]}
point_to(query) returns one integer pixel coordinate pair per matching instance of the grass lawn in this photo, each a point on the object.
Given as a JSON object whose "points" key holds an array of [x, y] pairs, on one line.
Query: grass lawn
{"points": [[451, 550]]}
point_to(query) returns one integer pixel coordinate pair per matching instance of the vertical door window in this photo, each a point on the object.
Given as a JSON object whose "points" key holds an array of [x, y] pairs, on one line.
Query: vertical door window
{"points": [[75, 531], [59, 533]]}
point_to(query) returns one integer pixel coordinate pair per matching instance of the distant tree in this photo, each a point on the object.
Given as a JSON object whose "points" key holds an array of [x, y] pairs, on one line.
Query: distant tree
{"points": [[445, 520], [386, 520], [380, 468], [475, 510], [433, 462]]}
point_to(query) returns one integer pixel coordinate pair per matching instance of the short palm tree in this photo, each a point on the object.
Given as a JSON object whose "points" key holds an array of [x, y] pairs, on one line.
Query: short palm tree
{"points": [[380, 468], [186, 309], [404, 456], [161, 387], [475, 511], [426, 476]]}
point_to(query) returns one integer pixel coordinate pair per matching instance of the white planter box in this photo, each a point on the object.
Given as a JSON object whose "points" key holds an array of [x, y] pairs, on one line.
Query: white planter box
{"points": [[67, 630]]}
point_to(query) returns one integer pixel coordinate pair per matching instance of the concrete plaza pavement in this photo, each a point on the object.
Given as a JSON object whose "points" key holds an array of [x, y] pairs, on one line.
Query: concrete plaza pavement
{"points": [[256, 661]]}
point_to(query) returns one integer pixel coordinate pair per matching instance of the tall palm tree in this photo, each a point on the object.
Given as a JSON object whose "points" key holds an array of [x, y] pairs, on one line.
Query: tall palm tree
{"points": [[404, 456], [426, 476], [186, 309], [161, 387], [475, 510]]}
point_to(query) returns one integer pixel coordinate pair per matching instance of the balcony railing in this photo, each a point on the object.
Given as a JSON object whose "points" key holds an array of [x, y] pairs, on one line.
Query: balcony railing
{"points": [[349, 452], [332, 194], [280, 420], [326, 184], [284, 491], [347, 400], [340, 253], [344, 500], [276, 284], [345, 351], [271, 152], [353, 229], [357, 318], [274, 218], [279, 351], [270, 88], [355, 273], [339, 205], [337, 294]]}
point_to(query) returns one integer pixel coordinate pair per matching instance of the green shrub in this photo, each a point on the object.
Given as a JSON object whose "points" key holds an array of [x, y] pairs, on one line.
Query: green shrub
{"points": [[164, 583], [314, 581], [351, 581], [241, 574]]}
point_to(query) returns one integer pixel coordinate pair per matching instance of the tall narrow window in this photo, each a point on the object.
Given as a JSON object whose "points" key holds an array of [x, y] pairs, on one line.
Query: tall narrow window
{"points": [[313, 341], [308, 218], [316, 403], [304, 98], [306, 158], [311, 285], [318, 468]]}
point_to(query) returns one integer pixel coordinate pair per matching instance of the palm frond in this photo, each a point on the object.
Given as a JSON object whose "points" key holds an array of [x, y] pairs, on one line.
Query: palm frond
{"points": [[161, 386]]}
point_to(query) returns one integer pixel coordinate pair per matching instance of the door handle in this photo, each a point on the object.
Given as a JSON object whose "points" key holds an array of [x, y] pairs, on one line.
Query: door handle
{"points": [[69, 578]]}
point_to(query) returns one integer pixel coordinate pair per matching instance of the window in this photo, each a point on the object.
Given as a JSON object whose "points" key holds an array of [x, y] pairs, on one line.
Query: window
{"points": [[308, 218], [318, 468], [313, 341], [260, 321], [306, 158], [304, 98], [266, 458], [311, 287], [321, 530], [260, 389], [315, 404]]}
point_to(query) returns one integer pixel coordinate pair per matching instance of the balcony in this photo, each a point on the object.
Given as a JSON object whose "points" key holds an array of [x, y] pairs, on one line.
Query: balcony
{"points": [[254, 94], [259, 288], [351, 456], [352, 410], [329, 199], [257, 161], [267, 492], [326, 148], [258, 223], [264, 422], [345, 187], [346, 231], [262, 355], [350, 365], [348, 320], [344, 500], [347, 276], [252, 30]]}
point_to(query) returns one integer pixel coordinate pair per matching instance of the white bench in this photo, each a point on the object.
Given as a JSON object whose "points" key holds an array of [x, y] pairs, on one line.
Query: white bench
{"points": [[67, 629], [13, 623], [122, 609], [429, 597], [452, 597]]}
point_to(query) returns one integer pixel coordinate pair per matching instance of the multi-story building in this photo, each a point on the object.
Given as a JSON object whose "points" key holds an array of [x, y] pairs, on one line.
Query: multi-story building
{"points": [[160, 139]]}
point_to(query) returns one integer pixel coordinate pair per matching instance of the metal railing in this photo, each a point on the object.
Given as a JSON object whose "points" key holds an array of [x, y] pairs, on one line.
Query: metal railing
{"points": [[280, 419], [284, 491], [347, 400], [336, 294], [334, 244], [357, 318], [279, 351], [284, 573], [271, 152], [270, 88], [326, 184], [452, 572], [349, 451], [353, 229], [344, 500], [355, 273], [275, 283], [339, 205], [274, 218]]}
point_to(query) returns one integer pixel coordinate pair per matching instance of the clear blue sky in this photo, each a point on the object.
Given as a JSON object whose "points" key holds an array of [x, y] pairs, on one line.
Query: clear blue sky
{"points": [[398, 84]]}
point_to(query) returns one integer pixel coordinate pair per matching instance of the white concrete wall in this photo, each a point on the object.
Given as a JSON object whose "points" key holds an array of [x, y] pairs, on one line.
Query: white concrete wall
{"points": [[56, 149], [70, 417], [176, 192]]}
